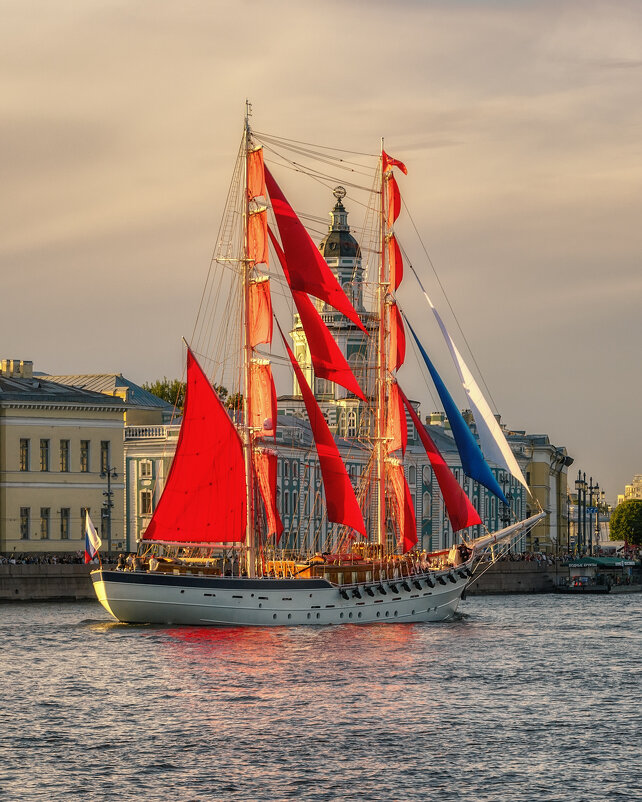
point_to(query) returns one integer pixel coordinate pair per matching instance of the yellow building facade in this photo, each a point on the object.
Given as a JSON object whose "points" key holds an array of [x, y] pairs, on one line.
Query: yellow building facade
{"points": [[57, 444]]}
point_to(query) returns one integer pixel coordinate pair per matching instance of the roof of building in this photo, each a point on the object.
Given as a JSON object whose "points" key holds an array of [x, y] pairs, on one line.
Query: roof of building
{"points": [[339, 242], [113, 384], [44, 390]]}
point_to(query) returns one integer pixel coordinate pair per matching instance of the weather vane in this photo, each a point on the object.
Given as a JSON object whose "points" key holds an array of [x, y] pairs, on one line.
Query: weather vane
{"points": [[339, 192]]}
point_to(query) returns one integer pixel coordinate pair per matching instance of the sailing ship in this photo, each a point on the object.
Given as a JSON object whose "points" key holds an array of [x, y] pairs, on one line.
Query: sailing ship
{"points": [[211, 554]]}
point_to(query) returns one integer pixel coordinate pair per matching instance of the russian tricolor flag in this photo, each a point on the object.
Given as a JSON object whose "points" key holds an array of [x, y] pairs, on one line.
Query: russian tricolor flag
{"points": [[92, 541]]}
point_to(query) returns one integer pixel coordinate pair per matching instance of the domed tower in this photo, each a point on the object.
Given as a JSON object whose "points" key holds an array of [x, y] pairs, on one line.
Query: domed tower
{"points": [[342, 253]]}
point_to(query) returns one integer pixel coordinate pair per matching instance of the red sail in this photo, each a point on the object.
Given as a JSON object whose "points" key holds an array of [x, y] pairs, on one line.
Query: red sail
{"points": [[204, 497], [265, 469], [397, 346], [394, 199], [395, 262], [389, 162], [260, 312], [327, 360], [255, 174], [404, 512], [460, 511], [257, 239], [340, 499], [396, 426], [309, 271], [263, 396]]}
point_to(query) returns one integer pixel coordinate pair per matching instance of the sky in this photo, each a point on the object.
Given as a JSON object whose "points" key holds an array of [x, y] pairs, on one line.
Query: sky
{"points": [[520, 123]]}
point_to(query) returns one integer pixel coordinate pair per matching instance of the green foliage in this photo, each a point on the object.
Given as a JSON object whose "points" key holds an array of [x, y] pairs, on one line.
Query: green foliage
{"points": [[626, 522], [173, 391]]}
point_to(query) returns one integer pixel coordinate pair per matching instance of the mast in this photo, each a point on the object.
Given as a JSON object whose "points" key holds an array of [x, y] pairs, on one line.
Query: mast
{"points": [[382, 290], [247, 359]]}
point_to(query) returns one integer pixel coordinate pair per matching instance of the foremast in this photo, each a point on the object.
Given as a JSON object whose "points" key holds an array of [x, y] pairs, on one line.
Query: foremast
{"points": [[247, 267]]}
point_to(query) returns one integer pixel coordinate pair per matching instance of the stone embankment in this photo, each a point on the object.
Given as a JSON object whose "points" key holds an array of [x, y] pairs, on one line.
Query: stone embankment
{"points": [[72, 582], [515, 577], [45, 582]]}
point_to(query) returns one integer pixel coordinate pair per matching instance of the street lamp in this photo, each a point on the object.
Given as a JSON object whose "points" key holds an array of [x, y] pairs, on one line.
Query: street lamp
{"points": [[592, 509], [580, 486], [108, 473]]}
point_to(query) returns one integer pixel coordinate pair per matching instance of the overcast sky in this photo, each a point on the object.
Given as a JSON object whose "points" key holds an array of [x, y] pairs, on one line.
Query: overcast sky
{"points": [[520, 124]]}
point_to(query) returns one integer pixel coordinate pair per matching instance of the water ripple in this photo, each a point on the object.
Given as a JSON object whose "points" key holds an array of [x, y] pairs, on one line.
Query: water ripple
{"points": [[527, 699]]}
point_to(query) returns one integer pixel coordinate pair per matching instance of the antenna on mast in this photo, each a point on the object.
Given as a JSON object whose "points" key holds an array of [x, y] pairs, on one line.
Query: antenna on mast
{"points": [[248, 114]]}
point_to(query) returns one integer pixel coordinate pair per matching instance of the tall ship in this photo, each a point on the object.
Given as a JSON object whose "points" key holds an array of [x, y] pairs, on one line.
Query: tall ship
{"points": [[213, 553]]}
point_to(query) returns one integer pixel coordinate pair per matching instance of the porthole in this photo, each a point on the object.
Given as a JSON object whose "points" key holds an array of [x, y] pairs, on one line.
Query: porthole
{"points": [[289, 615], [413, 612], [396, 613], [260, 604], [340, 615], [318, 615], [349, 615], [308, 615], [378, 613], [387, 613], [359, 614], [274, 615]]}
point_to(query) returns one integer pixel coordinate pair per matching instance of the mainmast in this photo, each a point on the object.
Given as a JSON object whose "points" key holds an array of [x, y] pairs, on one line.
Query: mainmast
{"points": [[247, 359], [382, 292]]}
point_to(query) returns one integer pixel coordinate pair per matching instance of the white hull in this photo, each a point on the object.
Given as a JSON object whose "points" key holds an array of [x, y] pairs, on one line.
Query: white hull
{"points": [[193, 600]]}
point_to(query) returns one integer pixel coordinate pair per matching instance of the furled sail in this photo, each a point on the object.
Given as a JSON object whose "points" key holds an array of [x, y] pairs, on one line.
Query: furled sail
{"points": [[395, 261], [396, 425], [309, 271], [263, 395], [394, 199], [260, 312], [257, 237], [404, 511], [460, 510], [265, 462], [204, 497], [492, 439], [397, 341], [341, 502], [255, 174], [327, 359], [472, 458]]}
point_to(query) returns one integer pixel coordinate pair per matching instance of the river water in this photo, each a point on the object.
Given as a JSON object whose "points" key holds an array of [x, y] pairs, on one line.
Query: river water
{"points": [[524, 698]]}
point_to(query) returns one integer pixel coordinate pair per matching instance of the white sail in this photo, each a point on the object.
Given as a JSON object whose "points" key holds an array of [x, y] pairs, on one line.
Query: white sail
{"points": [[491, 437]]}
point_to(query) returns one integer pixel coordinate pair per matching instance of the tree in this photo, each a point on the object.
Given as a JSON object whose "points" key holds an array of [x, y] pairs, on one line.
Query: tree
{"points": [[626, 522], [173, 391]]}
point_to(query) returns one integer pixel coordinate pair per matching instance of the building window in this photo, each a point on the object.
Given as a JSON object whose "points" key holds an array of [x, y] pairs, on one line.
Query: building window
{"points": [[45, 518], [24, 453], [84, 511], [25, 522], [145, 502], [286, 502], [427, 511], [145, 469], [65, 518], [352, 424], [84, 456], [286, 469], [104, 456], [44, 455], [412, 475], [64, 456], [295, 469]]}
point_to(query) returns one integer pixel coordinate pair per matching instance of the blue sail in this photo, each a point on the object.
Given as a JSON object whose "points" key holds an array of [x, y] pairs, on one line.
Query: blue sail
{"points": [[472, 459]]}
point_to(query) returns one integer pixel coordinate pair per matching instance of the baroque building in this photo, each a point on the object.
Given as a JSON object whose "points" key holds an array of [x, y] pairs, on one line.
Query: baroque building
{"points": [[149, 449]]}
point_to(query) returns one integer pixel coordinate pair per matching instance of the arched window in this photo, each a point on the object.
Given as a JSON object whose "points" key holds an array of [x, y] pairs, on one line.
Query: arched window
{"points": [[427, 506], [295, 469], [427, 475], [412, 475], [352, 423]]}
